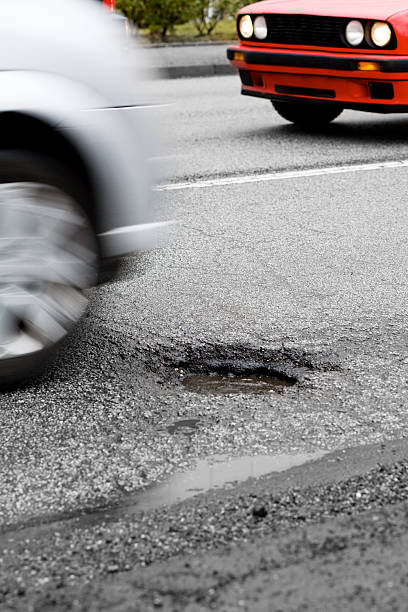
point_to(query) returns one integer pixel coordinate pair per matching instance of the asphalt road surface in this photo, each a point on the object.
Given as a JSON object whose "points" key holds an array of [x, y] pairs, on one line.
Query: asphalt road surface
{"points": [[285, 281]]}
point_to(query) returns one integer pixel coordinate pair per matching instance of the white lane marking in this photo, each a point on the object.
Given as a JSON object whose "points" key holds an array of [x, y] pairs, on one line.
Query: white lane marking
{"points": [[282, 175]]}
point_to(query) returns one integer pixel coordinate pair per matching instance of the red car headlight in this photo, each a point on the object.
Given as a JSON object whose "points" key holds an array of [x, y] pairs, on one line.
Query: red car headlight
{"points": [[354, 33], [246, 27], [380, 33], [260, 27]]}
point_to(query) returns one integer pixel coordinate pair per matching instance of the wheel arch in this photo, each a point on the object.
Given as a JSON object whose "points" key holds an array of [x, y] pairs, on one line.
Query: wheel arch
{"points": [[23, 131]]}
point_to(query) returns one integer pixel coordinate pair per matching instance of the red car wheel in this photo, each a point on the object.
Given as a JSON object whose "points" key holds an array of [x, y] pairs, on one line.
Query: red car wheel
{"points": [[307, 114]]}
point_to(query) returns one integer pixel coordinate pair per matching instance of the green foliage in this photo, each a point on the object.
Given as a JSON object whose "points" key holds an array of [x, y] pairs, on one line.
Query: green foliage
{"points": [[187, 32], [207, 13], [134, 10], [159, 16]]}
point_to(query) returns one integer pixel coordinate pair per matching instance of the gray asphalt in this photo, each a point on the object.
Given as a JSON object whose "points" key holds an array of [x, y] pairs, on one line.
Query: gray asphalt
{"points": [[306, 276], [210, 130]]}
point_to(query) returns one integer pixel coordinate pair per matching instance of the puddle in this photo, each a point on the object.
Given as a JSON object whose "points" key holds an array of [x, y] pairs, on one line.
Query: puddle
{"points": [[210, 473], [217, 471], [223, 384], [184, 426]]}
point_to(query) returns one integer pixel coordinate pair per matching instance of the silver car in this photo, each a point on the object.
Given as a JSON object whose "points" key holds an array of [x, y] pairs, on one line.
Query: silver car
{"points": [[74, 175]]}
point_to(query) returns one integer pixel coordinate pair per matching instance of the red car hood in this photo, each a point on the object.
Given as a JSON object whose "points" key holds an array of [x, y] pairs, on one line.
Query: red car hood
{"points": [[364, 9]]}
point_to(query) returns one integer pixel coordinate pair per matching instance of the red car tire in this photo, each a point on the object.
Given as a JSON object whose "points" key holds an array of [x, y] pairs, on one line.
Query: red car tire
{"points": [[307, 114]]}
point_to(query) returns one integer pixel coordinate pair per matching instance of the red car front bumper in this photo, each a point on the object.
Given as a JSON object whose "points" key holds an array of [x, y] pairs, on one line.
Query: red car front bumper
{"points": [[366, 82]]}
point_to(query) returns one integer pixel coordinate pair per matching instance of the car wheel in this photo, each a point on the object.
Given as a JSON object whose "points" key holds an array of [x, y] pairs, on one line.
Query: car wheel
{"points": [[48, 258], [307, 114]]}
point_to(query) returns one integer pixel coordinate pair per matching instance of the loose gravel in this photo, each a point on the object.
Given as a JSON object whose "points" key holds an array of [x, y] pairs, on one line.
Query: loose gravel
{"points": [[223, 547]]}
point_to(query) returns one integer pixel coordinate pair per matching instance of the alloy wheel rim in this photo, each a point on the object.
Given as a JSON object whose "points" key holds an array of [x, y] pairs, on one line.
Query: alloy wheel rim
{"points": [[48, 257]]}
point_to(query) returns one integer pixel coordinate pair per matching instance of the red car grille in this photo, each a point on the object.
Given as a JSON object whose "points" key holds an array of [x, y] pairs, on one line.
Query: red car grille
{"points": [[306, 30], [310, 30]]}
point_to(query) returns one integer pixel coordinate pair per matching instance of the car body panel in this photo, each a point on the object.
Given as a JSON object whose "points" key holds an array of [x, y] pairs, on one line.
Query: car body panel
{"points": [[87, 45], [90, 91], [363, 9]]}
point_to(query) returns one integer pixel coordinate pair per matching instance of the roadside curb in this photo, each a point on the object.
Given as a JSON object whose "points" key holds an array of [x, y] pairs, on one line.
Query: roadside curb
{"points": [[189, 43], [177, 72], [174, 61]]}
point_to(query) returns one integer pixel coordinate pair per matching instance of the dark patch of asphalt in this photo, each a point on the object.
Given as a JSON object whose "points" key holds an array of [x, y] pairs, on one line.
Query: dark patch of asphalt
{"points": [[329, 535]]}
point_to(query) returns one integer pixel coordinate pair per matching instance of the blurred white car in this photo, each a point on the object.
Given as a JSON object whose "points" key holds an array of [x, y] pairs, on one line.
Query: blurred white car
{"points": [[75, 181]]}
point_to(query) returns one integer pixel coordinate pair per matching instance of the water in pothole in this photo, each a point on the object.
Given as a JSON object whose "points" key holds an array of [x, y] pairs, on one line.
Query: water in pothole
{"points": [[223, 384]]}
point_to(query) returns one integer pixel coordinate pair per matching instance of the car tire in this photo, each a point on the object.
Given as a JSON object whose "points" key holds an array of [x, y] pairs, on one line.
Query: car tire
{"points": [[309, 115], [48, 259]]}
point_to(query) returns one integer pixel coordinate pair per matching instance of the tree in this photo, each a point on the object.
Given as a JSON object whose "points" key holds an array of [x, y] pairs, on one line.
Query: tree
{"points": [[159, 16], [207, 13], [135, 11]]}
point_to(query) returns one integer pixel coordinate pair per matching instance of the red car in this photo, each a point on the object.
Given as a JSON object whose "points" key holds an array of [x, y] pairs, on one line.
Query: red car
{"points": [[110, 4], [313, 58]]}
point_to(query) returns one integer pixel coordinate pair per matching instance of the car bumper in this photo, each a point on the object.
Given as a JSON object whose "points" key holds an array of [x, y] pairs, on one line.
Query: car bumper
{"points": [[366, 82], [131, 238]]}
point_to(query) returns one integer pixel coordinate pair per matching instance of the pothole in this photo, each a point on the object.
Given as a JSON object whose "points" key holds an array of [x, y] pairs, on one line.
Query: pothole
{"points": [[223, 384], [236, 368]]}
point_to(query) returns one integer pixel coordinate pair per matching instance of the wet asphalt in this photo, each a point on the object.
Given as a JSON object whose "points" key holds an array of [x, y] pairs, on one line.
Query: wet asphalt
{"points": [[305, 278]]}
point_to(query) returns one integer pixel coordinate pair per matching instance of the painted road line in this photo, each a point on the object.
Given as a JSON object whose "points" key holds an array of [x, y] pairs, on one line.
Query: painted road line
{"points": [[282, 175]]}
